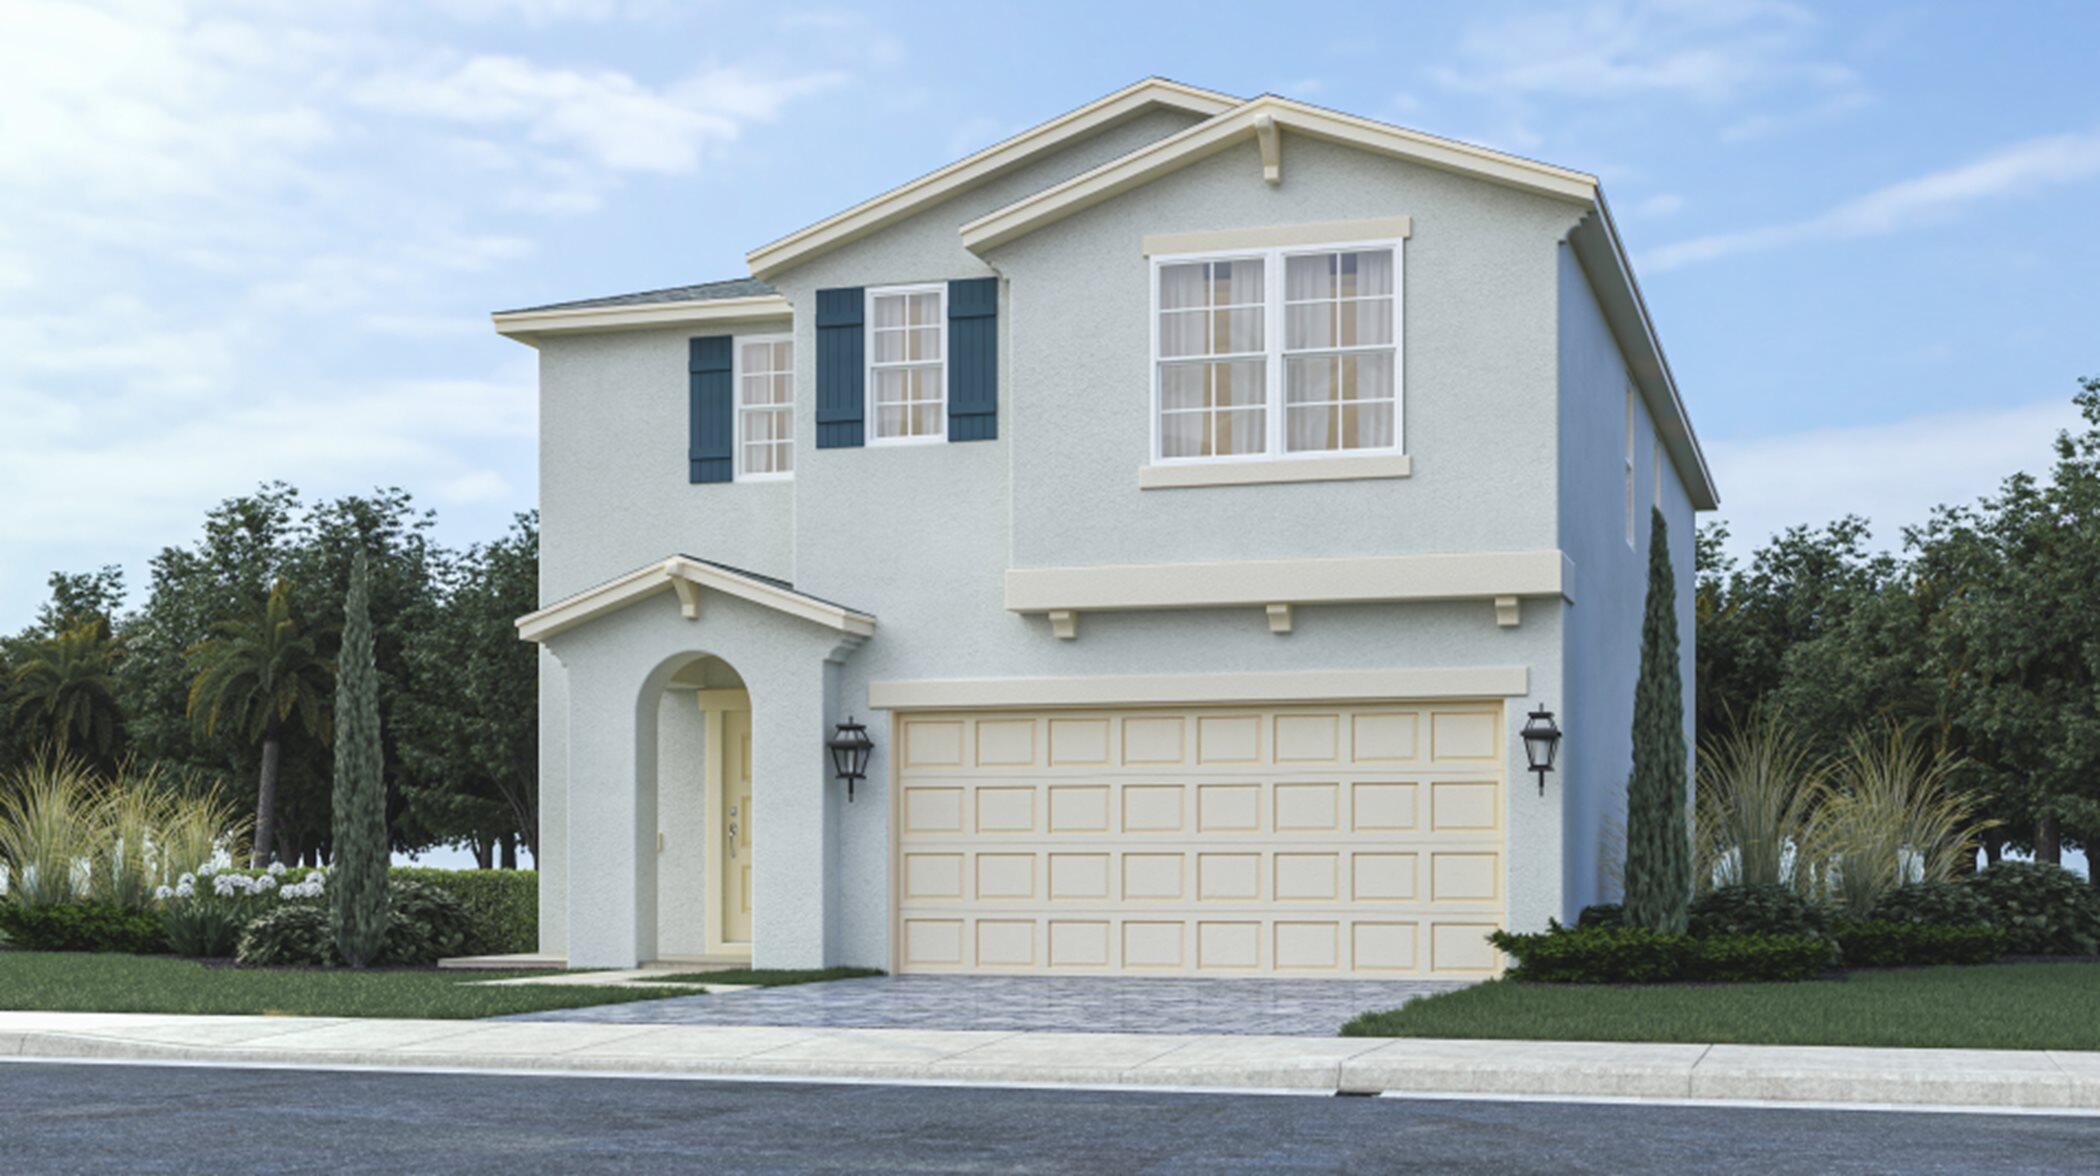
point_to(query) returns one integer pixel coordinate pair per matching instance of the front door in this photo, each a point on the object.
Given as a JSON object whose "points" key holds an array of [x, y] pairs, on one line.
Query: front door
{"points": [[735, 794]]}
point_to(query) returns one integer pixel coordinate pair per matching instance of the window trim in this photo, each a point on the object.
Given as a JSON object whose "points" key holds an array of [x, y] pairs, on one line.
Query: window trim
{"points": [[738, 408], [871, 432], [1274, 259]]}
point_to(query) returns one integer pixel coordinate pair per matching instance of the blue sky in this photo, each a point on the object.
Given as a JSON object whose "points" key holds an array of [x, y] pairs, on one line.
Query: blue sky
{"points": [[244, 241]]}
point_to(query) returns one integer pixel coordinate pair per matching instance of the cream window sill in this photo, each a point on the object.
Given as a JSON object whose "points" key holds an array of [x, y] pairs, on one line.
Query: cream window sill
{"points": [[1293, 469]]}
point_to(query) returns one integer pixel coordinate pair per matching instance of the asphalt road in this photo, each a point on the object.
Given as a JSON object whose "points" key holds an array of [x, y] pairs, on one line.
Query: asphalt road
{"points": [[132, 1119]]}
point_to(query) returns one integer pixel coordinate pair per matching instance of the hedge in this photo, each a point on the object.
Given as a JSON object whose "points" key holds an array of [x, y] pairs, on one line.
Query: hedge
{"points": [[1632, 955], [503, 905], [1875, 944], [81, 926]]}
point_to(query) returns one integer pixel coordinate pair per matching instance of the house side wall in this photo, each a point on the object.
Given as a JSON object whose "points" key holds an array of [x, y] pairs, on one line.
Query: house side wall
{"points": [[1604, 631]]}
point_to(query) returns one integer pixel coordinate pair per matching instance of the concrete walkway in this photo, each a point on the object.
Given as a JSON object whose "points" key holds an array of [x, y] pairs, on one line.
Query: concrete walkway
{"points": [[2055, 1081]]}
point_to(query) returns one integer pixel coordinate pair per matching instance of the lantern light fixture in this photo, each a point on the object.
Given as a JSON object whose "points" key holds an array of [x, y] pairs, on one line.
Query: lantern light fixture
{"points": [[1541, 743], [850, 746]]}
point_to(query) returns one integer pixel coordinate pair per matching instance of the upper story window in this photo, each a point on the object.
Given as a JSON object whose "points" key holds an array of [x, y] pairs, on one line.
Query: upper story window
{"points": [[907, 364], [765, 407], [1277, 353]]}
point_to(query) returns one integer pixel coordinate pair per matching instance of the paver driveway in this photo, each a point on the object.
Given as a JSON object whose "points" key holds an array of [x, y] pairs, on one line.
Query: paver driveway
{"points": [[1312, 1008]]}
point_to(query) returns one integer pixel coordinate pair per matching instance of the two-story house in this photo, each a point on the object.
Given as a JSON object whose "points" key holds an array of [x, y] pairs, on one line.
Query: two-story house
{"points": [[1190, 495]]}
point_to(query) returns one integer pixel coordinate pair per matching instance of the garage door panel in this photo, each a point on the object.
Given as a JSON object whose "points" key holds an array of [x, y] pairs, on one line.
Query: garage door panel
{"points": [[1303, 841]]}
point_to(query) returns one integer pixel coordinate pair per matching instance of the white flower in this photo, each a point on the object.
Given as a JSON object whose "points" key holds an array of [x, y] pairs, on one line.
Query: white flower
{"points": [[276, 868], [186, 880], [184, 890], [207, 869], [264, 883], [163, 893]]}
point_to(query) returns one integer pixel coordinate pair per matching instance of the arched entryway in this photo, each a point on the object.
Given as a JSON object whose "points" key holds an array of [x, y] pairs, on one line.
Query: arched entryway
{"points": [[706, 823]]}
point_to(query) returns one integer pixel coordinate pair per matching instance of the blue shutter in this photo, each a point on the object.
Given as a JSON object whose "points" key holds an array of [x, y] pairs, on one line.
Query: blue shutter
{"points": [[711, 404], [973, 359], [841, 368]]}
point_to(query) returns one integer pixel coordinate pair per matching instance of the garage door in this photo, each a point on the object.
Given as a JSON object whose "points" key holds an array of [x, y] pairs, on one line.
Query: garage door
{"points": [[1305, 841]]}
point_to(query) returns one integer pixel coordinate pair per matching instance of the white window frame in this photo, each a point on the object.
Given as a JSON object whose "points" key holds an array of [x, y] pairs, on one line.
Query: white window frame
{"points": [[869, 430], [736, 423], [1274, 261], [1631, 497]]}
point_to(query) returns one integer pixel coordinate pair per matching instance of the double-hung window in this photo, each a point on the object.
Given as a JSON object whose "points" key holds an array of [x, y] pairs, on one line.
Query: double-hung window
{"points": [[907, 364], [1287, 352], [765, 407]]}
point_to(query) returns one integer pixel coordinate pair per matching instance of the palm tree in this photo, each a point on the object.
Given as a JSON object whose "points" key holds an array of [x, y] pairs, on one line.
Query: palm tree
{"points": [[254, 676], [67, 689]]}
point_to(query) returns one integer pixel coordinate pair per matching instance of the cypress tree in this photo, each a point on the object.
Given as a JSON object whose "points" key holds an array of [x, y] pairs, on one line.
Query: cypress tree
{"points": [[357, 886], [1658, 840]]}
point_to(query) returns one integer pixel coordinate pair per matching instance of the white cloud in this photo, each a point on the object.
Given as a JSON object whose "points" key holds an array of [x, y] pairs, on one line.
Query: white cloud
{"points": [[1661, 204], [2018, 170], [1894, 473]]}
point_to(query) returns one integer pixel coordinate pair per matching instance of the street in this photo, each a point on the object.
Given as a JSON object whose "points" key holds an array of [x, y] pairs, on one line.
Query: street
{"points": [[63, 1117]]}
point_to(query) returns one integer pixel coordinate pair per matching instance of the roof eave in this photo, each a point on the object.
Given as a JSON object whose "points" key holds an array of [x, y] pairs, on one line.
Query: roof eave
{"points": [[900, 202], [529, 326], [668, 575]]}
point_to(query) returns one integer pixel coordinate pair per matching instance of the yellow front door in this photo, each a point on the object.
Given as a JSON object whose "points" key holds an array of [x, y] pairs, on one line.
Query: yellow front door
{"points": [[736, 826]]}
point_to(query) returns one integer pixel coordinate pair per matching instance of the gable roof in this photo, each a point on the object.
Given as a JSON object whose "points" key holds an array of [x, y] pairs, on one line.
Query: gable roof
{"points": [[702, 292], [1595, 240], [690, 577], [967, 173], [730, 300]]}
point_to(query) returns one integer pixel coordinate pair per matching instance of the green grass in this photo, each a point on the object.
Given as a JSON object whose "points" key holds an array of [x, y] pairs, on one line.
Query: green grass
{"points": [[1992, 1006], [106, 983], [771, 977]]}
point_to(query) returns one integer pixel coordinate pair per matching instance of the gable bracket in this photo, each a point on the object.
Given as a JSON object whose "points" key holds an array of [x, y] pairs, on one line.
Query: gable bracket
{"points": [[1271, 141]]}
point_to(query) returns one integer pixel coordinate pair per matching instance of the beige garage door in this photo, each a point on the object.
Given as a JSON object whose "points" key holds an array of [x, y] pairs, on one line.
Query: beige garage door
{"points": [[1308, 841]]}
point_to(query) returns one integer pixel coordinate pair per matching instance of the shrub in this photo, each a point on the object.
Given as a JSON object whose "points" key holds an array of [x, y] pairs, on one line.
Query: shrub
{"points": [[1743, 958], [287, 934], [1939, 904], [1892, 814], [2043, 909], [424, 924], [1758, 792], [81, 926], [503, 906], [1603, 914], [1600, 955], [1877, 944], [1755, 909]]}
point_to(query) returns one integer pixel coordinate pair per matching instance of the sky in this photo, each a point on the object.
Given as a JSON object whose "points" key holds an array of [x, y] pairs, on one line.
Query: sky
{"points": [[242, 242]]}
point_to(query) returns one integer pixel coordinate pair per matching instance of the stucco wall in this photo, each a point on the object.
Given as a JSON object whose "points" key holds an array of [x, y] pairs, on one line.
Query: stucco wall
{"points": [[1604, 629]]}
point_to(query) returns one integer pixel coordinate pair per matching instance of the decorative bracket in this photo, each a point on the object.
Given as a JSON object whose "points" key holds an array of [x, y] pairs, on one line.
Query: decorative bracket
{"points": [[1279, 618], [688, 597], [1064, 623], [1271, 141], [1506, 611]]}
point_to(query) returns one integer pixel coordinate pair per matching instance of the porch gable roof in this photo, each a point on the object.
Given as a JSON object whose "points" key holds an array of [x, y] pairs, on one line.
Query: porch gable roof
{"points": [[689, 576]]}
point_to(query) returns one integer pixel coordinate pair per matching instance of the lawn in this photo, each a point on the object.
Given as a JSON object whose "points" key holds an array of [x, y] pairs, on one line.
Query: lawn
{"points": [[1992, 1006], [771, 977], [107, 983]]}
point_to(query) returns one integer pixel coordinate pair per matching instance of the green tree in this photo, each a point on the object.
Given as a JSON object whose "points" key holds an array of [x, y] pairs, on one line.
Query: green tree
{"points": [[63, 693], [470, 720], [255, 677], [357, 885], [1658, 840]]}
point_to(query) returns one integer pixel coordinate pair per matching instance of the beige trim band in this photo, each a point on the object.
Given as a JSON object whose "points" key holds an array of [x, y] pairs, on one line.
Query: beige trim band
{"points": [[527, 326], [1384, 578], [1254, 473], [1383, 228], [689, 578], [1180, 689]]}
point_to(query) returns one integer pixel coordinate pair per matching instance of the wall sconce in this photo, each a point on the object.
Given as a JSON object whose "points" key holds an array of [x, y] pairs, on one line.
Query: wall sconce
{"points": [[849, 753], [1541, 743]]}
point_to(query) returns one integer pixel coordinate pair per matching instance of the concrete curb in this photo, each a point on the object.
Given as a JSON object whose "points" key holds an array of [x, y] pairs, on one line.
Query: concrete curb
{"points": [[2007, 1080]]}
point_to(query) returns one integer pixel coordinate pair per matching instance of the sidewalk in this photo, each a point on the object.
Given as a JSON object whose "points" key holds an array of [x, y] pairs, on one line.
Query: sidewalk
{"points": [[2027, 1080]]}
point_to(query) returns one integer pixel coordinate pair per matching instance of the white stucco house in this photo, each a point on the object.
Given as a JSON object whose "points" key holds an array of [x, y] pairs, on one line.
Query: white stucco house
{"points": [[1191, 495]]}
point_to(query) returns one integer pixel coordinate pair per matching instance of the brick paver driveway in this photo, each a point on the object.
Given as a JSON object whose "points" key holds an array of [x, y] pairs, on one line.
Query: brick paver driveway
{"points": [[1314, 1008]]}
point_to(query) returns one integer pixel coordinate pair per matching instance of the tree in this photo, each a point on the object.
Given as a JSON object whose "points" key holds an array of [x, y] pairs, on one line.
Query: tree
{"points": [[1658, 841], [64, 694], [357, 886], [470, 721], [254, 677]]}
